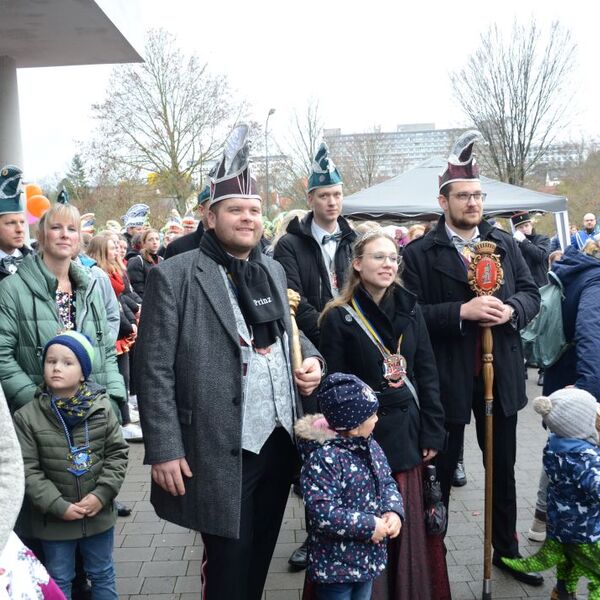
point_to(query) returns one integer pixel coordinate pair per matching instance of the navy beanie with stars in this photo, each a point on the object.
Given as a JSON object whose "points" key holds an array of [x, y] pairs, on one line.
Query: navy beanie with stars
{"points": [[346, 401]]}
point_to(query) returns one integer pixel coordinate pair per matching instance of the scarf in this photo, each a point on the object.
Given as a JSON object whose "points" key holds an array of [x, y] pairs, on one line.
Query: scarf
{"points": [[74, 409], [256, 293]]}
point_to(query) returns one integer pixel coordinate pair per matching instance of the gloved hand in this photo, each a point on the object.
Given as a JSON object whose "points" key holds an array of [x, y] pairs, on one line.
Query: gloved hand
{"points": [[519, 236]]}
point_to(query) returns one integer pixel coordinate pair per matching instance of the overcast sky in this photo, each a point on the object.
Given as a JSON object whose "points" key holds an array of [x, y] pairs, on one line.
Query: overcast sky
{"points": [[368, 63]]}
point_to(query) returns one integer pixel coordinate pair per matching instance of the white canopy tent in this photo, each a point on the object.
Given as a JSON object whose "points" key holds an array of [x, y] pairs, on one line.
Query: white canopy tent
{"points": [[413, 195]]}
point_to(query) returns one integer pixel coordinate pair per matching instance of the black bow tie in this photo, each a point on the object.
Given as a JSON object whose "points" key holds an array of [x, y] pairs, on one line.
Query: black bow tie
{"points": [[11, 263], [334, 237]]}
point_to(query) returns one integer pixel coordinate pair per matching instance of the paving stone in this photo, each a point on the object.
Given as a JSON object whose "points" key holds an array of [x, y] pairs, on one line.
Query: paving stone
{"points": [[132, 554], [174, 539], [168, 553], [160, 568], [128, 585], [136, 541], [189, 584], [128, 569], [282, 595], [159, 585], [136, 527]]}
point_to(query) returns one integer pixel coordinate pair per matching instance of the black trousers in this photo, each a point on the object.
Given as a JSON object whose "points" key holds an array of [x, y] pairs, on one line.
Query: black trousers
{"points": [[236, 569], [504, 503]]}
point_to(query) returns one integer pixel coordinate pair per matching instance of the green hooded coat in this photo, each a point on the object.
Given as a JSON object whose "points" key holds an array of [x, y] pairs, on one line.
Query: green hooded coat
{"points": [[29, 319]]}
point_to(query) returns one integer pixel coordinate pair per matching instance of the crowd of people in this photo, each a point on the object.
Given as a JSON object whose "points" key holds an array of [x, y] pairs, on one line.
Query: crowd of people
{"points": [[184, 339]]}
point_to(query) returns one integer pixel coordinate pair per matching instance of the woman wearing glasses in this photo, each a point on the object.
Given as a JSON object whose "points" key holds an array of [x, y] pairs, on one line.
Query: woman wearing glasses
{"points": [[375, 330]]}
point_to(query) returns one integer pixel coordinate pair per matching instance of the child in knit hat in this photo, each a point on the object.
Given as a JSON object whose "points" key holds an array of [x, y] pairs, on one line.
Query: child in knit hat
{"points": [[572, 463], [75, 462], [351, 499]]}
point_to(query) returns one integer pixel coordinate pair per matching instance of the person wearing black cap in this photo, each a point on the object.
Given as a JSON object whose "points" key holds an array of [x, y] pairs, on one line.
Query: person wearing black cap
{"points": [[217, 394], [191, 241], [435, 269], [535, 247], [315, 252]]}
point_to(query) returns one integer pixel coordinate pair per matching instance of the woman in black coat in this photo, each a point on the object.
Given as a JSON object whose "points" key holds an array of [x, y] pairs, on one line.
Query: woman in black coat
{"points": [[409, 433], [139, 266]]}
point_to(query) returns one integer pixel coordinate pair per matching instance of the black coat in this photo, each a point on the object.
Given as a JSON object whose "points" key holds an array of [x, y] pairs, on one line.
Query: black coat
{"points": [[137, 271], [402, 430], [535, 249], [185, 243], [25, 250], [130, 306], [302, 259], [434, 271]]}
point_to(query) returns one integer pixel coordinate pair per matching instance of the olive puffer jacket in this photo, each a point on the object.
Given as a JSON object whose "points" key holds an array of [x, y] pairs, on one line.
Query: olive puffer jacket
{"points": [[50, 487], [29, 319]]}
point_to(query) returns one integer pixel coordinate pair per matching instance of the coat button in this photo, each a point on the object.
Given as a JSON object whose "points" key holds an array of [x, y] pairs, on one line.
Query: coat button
{"points": [[236, 401], [348, 318], [235, 452]]}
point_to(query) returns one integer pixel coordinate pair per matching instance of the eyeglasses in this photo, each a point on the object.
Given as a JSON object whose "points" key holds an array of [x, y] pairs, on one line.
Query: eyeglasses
{"points": [[380, 257], [464, 197]]}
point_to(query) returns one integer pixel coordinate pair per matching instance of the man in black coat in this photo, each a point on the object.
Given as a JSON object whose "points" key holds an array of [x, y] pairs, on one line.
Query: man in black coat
{"points": [[534, 247], [435, 268], [316, 251], [191, 241]]}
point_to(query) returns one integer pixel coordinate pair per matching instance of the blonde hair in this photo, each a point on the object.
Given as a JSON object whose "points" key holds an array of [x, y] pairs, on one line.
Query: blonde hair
{"points": [[554, 256], [415, 231], [98, 250], [281, 223], [58, 212], [366, 227], [592, 248], [353, 280]]}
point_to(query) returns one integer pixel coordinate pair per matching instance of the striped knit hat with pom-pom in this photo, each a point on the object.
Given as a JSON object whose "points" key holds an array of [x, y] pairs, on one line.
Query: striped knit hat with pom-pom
{"points": [[569, 413]]}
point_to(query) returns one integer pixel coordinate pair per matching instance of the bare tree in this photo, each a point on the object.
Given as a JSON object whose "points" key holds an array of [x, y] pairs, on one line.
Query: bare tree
{"points": [[516, 91], [301, 145], [361, 157], [168, 116]]}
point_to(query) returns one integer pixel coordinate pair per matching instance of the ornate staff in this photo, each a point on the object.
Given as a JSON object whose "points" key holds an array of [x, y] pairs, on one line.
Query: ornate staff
{"points": [[485, 277], [294, 300]]}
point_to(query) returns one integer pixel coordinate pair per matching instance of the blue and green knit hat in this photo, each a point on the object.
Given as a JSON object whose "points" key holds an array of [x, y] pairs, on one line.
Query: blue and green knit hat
{"points": [[204, 195], [323, 172], [79, 344]]}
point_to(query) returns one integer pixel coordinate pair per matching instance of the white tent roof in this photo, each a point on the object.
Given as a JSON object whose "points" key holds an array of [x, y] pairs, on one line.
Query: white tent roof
{"points": [[414, 194]]}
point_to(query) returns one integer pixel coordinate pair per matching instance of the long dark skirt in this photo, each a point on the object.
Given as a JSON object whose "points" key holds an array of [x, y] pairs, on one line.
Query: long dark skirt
{"points": [[416, 561]]}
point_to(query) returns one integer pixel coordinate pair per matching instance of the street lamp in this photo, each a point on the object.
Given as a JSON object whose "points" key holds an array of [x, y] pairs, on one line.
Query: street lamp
{"points": [[271, 111]]}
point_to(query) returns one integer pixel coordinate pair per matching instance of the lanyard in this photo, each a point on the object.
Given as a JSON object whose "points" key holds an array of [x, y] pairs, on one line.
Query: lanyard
{"points": [[369, 327]]}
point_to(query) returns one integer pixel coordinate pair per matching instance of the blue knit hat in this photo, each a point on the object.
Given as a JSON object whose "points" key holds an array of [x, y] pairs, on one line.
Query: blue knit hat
{"points": [[10, 190], [346, 401], [80, 345]]}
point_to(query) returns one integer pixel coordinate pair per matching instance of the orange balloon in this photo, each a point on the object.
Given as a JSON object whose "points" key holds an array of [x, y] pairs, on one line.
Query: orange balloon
{"points": [[37, 205], [33, 189]]}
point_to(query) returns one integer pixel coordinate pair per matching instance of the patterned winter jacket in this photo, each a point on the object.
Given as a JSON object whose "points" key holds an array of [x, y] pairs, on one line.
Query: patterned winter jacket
{"points": [[345, 483], [573, 467]]}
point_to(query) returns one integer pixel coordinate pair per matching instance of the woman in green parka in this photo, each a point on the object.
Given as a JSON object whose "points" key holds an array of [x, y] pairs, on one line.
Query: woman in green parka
{"points": [[50, 294]]}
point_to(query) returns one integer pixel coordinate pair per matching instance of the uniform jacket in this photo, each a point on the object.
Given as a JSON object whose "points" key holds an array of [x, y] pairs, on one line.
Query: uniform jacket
{"points": [[403, 429], [189, 374], [29, 319], [579, 365], [435, 272], [25, 250], [573, 468], [535, 249], [49, 487], [302, 259], [137, 271], [346, 482]]}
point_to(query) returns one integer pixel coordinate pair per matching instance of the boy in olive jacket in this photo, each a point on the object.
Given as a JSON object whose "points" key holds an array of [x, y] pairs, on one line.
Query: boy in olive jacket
{"points": [[75, 462]]}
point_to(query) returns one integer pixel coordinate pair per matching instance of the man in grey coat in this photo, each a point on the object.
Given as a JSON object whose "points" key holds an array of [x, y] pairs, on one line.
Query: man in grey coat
{"points": [[217, 393]]}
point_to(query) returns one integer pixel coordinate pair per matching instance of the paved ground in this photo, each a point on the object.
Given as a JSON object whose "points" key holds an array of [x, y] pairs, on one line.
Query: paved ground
{"points": [[156, 560]]}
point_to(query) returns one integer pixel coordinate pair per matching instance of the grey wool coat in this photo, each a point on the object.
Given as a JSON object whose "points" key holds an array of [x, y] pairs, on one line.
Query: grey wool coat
{"points": [[189, 374]]}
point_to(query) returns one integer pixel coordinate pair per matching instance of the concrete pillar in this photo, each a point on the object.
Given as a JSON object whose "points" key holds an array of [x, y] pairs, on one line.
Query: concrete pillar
{"points": [[11, 150]]}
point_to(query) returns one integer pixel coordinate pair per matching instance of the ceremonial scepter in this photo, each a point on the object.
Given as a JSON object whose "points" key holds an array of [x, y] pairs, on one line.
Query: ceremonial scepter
{"points": [[294, 300], [485, 277]]}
